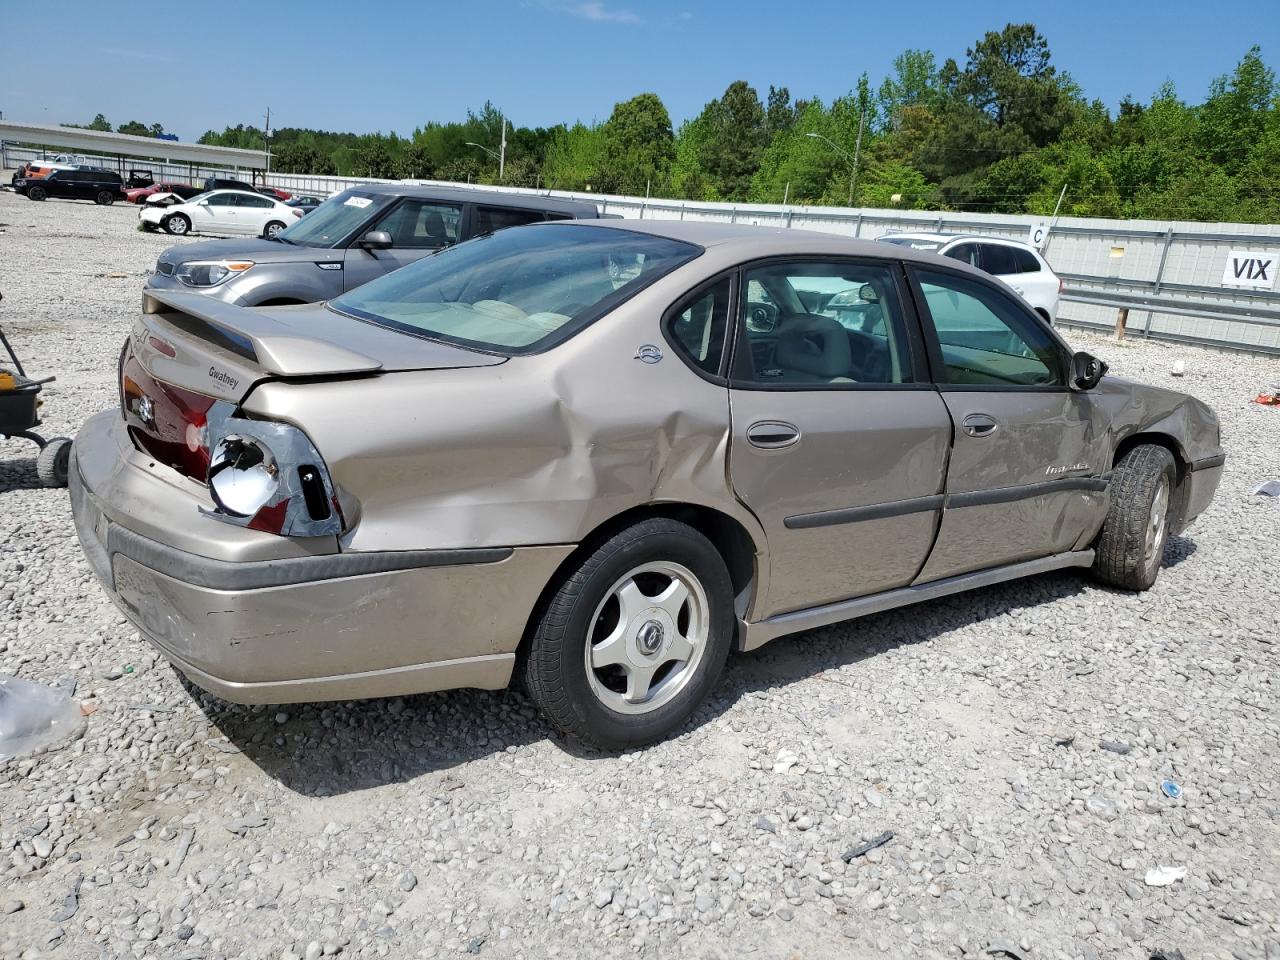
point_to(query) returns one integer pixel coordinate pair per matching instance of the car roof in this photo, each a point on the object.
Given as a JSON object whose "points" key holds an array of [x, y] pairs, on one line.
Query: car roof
{"points": [[768, 241], [948, 237], [525, 201]]}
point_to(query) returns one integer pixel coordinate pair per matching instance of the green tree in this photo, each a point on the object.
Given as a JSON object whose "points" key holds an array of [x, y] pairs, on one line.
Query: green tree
{"points": [[574, 158], [302, 158], [732, 135], [100, 123], [913, 83], [136, 129], [374, 159], [639, 147]]}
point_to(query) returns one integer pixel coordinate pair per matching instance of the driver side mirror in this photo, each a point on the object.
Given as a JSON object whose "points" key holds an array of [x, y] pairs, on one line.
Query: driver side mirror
{"points": [[376, 240], [1086, 371]]}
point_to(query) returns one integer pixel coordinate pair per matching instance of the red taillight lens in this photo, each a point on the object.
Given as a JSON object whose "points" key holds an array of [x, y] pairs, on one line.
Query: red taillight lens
{"points": [[1060, 286], [165, 421]]}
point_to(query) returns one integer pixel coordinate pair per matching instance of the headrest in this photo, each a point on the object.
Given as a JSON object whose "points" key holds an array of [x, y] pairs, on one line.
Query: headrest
{"points": [[813, 344]]}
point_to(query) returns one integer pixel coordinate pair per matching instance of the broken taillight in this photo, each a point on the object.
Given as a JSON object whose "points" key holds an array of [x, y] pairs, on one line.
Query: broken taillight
{"points": [[165, 421]]}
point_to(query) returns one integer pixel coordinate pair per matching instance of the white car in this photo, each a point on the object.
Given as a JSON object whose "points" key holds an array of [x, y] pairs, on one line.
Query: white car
{"points": [[1020, 265], [221, 212]]}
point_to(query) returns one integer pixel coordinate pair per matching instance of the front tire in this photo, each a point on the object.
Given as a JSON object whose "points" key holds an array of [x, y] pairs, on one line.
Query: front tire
{"points": [[176, 224], [271, 229], [1133, 539], [105, 198], [634, 638], [37, 193]]}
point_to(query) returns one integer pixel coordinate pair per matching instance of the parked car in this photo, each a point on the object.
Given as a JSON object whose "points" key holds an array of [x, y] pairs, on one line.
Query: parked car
{"points": [[305, 204], [1020, 265], [139, 178], [101, 186], [220, 211], [351, 238], [184, 191], [274, 192], [603, 454], [219, 183]]}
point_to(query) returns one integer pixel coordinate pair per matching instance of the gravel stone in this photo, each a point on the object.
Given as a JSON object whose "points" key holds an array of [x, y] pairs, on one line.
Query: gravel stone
{"points": [[938, 721]]}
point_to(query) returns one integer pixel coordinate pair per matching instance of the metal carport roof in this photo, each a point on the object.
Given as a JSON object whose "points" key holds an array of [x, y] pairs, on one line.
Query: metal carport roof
{"points": [[101, 142]]}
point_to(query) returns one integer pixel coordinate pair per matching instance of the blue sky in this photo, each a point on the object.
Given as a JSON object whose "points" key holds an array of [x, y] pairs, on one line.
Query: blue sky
{"points": [[392, 65]]}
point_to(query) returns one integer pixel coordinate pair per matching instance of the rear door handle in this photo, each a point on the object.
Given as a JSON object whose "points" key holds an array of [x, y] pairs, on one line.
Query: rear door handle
{"points": [[979, 425], [772, 434]]}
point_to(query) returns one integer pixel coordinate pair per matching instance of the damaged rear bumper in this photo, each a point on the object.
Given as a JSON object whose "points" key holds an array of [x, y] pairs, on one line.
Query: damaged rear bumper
{"points": [[328, 626]]}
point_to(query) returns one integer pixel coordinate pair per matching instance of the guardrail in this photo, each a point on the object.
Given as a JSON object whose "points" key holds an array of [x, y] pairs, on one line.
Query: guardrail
{"points": [[1174, 273]]}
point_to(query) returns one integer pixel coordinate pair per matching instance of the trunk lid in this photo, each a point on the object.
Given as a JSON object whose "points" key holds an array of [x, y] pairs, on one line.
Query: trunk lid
{"points": [[190, 350]]}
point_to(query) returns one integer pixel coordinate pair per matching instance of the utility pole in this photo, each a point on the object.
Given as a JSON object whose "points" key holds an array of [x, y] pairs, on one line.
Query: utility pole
{"points": [[502, 152], [857, 152], [266, 136]]}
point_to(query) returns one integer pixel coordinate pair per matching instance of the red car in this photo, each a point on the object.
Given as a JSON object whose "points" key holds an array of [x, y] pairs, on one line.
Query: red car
{"points": [[274, 192], [139, 194]]}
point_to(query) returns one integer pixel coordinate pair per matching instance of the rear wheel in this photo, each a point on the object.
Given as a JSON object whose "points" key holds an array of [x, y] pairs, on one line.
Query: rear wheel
{"points": [[1133, 539], [272, 228], [37, 193], [634, 638], [105, 198], [176, 224], [53, 461]]}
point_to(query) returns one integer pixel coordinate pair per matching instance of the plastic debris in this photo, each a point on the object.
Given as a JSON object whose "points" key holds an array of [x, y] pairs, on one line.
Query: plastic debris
{"points": [[864, 848], [1269, 398], [1164, 876], [1170, 789], [1179, 368], [785, 761], [34, 716], [1269, 489], [1114, 746]]}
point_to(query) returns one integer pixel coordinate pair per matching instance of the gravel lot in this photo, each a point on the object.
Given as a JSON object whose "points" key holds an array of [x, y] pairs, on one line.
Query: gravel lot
{"points": [[179, 826]]}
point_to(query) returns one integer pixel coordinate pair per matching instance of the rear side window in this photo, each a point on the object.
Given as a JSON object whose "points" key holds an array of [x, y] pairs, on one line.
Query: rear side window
{"points": [[998, 259], [1026, 260], [492, 219], [697, 326], [244, 200], [423, 224]]}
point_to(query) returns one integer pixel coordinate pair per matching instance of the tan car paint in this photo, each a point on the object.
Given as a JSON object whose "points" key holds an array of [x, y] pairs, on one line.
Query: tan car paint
{"points": [[536, 453]]}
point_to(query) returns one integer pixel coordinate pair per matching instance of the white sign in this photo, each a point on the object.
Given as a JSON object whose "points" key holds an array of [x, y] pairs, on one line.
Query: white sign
{"points": [[1037, 235], [360, 202], [1249, 268]]}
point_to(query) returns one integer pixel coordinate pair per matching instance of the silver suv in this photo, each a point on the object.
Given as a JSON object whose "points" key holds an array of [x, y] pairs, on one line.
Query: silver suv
{"points": [[597, 457], [350, 239]]}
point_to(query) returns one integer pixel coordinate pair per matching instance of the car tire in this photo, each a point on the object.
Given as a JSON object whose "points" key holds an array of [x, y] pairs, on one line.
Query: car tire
{"points": [[53, 462], [652, 609], [37, 193], [177, 224], [271, 229], [1131, 545], [105, 198]]}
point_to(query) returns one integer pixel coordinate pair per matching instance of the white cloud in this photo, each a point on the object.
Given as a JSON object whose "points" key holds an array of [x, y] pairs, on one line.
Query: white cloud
{"points": [[593, 10]]}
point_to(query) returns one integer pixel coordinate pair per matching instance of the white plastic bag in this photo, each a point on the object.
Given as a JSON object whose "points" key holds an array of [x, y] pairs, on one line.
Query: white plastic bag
{"points": [[33, 716]]}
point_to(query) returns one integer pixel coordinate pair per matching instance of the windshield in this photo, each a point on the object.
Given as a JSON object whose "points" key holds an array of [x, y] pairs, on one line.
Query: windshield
{"points": [[518, 290], [335, 219], [915, 243]]}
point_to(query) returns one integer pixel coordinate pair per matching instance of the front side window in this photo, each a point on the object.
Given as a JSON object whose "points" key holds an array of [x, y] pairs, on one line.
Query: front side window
{"points": [[418, 224], [986, 337], [516, 291], [697, 326], [491, 219], [823, 323], [998, 259], [222, 200], [336, 219]]}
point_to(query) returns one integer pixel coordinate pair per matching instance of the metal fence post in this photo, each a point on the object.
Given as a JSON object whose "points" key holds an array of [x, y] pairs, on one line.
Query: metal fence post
{"points": [[857, 227], [1164, 256]]}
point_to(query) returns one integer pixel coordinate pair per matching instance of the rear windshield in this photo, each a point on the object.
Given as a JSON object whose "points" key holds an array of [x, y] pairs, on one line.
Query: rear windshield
{"points": [[519, 290], [335, 219]]}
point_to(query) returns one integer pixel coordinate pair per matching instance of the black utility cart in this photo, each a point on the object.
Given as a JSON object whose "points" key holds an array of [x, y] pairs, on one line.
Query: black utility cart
{"points": [[19, 416]]}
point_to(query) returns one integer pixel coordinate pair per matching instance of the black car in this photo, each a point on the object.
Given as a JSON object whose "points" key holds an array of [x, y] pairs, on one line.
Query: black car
{"points": [[305, 204], [220, 183], [92, 183]]}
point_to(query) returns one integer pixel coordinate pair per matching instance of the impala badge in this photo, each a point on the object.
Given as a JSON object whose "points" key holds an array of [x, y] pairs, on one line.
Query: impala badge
{"points": [[648, 353]]}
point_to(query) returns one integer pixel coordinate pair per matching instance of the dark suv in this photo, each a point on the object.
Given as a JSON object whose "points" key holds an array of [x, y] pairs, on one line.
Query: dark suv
{"points": [[100, 186], [221, 183], [348, 240]]}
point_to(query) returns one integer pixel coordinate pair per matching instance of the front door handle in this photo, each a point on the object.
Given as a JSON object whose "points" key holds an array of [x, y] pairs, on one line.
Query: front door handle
{"points": [[979, 425], [772, 434]]}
